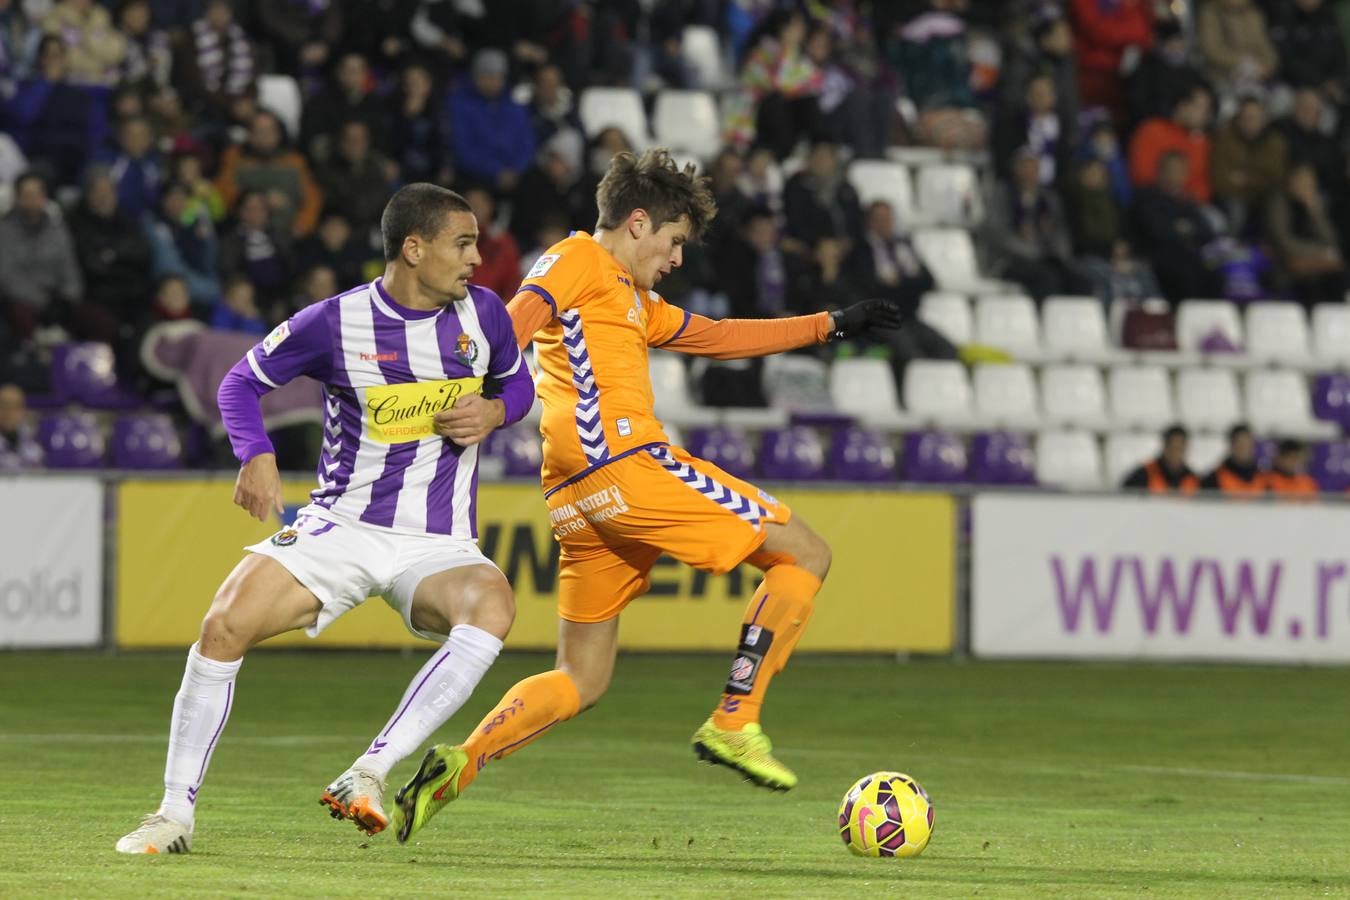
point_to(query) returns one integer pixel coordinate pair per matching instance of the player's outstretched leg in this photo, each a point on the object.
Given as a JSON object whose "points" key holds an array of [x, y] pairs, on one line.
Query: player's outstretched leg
{"points": [[258, 600], [480, 599], [795, 561], [525, 713]]}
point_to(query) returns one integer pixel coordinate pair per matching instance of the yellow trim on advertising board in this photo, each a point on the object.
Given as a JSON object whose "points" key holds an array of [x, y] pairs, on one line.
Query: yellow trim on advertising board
{"points": [[890, 589]]}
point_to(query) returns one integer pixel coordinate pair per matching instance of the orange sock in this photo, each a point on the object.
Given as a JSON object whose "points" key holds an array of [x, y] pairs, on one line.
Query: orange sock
{"points": [[525, 712], [772, 626]]}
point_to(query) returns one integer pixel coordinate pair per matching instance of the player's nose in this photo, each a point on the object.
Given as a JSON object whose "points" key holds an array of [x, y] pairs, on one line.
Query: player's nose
{"points": [[676, 257]]}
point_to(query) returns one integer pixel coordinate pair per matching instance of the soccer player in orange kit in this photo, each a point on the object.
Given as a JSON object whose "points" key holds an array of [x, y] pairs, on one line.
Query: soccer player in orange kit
{"points": [[619, 495]]}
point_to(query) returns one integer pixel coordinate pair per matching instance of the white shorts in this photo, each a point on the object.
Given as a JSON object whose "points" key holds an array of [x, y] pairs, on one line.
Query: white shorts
{"points": [[343, 563]]}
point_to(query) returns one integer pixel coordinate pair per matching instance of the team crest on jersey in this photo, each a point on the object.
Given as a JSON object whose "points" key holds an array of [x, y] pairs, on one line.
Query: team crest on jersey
{"points": [[273, 340], [466, 348], [285, 537]]}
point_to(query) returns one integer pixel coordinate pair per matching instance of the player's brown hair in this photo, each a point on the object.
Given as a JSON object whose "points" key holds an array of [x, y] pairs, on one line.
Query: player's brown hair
{"points": [[419, 208], [653, 182]]}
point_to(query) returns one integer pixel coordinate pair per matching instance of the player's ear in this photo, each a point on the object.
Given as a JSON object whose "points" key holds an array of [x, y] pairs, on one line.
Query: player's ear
{"points": [[412, 250], [637, 223]]}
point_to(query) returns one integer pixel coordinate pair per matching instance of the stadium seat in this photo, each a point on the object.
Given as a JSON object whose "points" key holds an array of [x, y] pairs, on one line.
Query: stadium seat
{"points": [[687, 120], [1006, 397], [879, 179], [1074, 395], [1208, 399], [1331, 334], [1278, 332], [1074, 328], [670, 387], [950, 256], [916, 155], [146, 442], [85, 373], [1278, 404], [934, 457], [1331, 398], [1140, 396], [71, 441], [725, 448], [611, 107], [1329, 465], [949, 195], [1205, 451], [702, 51], [796, 381], [859, 454], [280, 94], [949, 315], [938, 391], [864, 388], [1199, 320], [1126, 451], [792, 454], [1002, 457], [1068, 459], [1009, 323], [518, 449]]}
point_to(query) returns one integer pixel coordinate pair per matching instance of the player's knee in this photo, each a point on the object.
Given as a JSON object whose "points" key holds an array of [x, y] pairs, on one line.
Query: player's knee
{"points": [[221, 637], [488, 603], [815, 556]]}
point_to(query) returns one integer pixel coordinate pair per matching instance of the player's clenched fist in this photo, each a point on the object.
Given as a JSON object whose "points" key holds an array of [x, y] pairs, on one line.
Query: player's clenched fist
{"points": [[258, 488], [470, 420]]}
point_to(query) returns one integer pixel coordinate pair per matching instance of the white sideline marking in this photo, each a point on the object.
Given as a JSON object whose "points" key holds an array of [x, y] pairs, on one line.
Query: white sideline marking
{"points": [[1237, 776], [72, 737]]}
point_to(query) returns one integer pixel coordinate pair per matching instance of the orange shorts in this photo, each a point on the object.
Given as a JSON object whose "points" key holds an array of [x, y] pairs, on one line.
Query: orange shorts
{"points": [[614, 523]]}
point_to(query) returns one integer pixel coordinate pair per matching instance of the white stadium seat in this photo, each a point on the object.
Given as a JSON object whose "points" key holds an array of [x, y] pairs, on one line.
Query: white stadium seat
{"points": [[1141, 397], [1068, 459], [1205, 451], [1074, 395], [865, 389], [670, 386], [1005, 396], [879, 179], [1278, 405], [1278, 332], [795, 381], [1197, 319], [280, 94], [1074, 328], [1009, 322], [949, 315], [687, 120], [950, 255], [702, 51], [1331, 333], [607, 107], [1208, 399], [1127, 451], [938, 390], [949, 194]]}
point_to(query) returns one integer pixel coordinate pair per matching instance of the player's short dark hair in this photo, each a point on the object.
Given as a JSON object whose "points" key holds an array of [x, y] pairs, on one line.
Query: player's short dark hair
{"points": [[1175, 431], [653, 182], [421, 209]]}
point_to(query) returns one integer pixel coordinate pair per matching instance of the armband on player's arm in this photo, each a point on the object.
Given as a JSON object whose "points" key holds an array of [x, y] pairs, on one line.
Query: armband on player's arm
{"points": [[740, 338], [239, 398], [530, 310]]}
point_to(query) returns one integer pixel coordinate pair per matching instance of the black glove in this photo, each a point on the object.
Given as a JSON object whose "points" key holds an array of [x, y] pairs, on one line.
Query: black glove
{"points": [[865, 319]]}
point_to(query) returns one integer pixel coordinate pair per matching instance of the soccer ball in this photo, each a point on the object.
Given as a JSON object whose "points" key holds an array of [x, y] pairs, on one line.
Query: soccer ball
{"points": [[886, 814]]}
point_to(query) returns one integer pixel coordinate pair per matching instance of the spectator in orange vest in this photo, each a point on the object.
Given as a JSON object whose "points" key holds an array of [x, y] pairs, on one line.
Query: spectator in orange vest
{"points": [[1186, 132], [1237, 474], [1287, 477], [1168, 474]]}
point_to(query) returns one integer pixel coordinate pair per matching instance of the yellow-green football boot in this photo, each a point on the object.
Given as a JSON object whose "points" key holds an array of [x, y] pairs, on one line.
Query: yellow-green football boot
{"points": [[748, 751]]}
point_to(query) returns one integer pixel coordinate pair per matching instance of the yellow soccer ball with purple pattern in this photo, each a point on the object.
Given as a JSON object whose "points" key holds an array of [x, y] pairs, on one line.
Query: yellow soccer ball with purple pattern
{"points": [[886, 814]]}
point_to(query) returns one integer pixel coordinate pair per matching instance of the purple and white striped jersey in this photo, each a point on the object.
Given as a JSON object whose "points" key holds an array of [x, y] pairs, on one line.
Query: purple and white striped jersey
{"points": [[386, 369]]}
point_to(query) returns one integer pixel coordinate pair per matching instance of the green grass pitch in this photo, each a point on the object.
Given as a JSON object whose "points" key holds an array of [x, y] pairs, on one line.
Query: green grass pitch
{"points": [[1048, 780]]}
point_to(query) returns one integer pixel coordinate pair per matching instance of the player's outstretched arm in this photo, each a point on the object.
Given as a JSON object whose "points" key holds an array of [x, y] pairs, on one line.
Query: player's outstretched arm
{"points": [[741, 338]]}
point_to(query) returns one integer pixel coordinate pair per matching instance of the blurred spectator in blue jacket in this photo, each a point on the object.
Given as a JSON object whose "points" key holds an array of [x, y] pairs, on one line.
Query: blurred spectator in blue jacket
{"points": [[56, 122], [183, 240], [492, 138], [136, 167], [237, 309]]}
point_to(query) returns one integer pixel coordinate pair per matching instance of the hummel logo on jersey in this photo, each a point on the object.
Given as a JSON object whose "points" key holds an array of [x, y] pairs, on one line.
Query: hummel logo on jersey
{"points": [[379, 357]]}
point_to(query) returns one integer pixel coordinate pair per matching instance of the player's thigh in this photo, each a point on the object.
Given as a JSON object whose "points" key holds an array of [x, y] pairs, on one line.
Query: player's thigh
{"points": [[477, 595], [794, 543], [258, 600], [597, 581], [586, 652]]}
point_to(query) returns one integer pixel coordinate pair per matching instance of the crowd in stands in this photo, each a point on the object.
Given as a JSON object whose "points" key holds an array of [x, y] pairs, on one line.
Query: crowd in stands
{"points": [[1134, 149], [1241, 473]]}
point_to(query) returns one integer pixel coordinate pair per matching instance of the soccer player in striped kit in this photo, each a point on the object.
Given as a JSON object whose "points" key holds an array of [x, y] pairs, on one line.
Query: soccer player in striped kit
{"points": [[402, 361], [619, 495]]}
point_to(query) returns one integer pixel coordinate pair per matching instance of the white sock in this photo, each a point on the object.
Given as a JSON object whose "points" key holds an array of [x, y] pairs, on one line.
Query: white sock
{"points": [[435, 694], [199, 714]]}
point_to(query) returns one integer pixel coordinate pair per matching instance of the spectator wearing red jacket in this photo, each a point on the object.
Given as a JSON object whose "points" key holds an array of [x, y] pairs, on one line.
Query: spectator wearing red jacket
{"points": [[1105, 30], [1184, 132], [500, 269]]}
